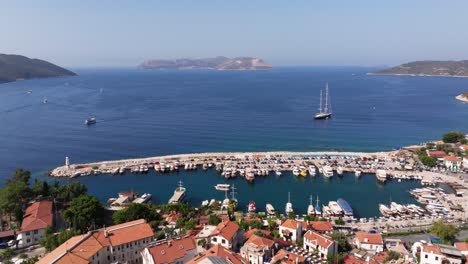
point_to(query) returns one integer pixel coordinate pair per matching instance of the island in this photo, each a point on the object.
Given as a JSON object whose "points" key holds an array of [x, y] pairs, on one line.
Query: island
{"points": [[462, 97], [428, 68], [217, 63], [17, 67]]}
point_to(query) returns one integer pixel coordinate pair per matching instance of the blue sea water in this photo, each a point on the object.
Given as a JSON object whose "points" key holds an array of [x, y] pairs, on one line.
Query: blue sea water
{"points": [[148, 113]]}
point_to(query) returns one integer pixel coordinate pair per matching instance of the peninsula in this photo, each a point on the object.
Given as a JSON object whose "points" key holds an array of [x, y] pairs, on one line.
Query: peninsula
{"points": [[428, 68], [462, 97], [217, 63], [17, 67]]}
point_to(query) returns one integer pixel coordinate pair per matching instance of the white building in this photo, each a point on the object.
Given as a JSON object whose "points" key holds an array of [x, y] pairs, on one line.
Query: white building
{"points": [[226, 234], [291, 229], [115, 244], [436, 254], [452, 163], [37, 217], [256, 248], [324, 244], [370, 242]]}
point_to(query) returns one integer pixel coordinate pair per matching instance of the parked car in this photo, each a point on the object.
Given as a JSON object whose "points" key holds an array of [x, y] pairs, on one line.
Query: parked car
{"points": [[11, 243], [3, 245]]}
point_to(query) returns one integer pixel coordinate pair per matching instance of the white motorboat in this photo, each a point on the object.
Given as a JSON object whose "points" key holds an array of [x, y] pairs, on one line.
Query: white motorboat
{"points": [[270, 209], [357, 173], [312, 170], [222, 187], [339, 170], [278, 171], [327, 171], [295, 171], [381, 175]]}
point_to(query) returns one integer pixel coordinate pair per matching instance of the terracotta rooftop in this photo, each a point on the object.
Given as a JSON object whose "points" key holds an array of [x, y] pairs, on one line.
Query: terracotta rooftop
{"points": [[366, 238], [429, 248], [287, 257], [226, 229], [321, 226], [218, 254], [259, 242], [451, 158], [351, 259], [250, 232], [318, 239], [437, 153], [37, 216], [291, 224], [462, 246], [79, 249], [172, 250]]}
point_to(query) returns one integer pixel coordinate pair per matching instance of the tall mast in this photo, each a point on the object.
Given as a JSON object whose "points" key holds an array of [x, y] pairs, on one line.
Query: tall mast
{"points": [[320, 108], [317, 201], [233, 192], [326, 99], [310, 199], [289, 197]]}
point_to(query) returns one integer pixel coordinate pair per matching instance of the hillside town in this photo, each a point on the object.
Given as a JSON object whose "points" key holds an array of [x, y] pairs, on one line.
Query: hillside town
{"points": [[60, 223]]}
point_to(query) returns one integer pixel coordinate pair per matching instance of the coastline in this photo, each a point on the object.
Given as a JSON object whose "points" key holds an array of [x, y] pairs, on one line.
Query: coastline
{"points": [[462, 98], [416, 75]]}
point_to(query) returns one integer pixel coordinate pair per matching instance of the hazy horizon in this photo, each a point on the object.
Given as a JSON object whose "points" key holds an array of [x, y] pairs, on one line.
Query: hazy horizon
{"points": [[301, 33]]}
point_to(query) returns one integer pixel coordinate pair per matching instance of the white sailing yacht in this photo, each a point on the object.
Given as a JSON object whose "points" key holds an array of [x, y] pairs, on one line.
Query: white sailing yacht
{"points": [[289, 206], [325, 112]]}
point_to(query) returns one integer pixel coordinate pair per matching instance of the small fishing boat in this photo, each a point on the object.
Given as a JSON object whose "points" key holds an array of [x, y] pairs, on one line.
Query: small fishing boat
{"points": [[251, 208], [90, 121]]}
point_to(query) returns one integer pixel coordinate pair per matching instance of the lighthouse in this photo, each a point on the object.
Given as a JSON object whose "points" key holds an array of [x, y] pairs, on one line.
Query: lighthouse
{"points": [[67, 162]]}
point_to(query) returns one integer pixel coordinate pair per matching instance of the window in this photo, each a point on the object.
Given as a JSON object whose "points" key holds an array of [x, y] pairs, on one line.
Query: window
{"points": [[425, 256], [108, 257], [35, 232], [28, 233], [224, 241], [214, 239], [437, 258]]}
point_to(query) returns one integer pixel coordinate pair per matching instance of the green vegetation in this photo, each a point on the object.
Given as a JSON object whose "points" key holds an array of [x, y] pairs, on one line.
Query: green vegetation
{"points": [[246, 225], [426, 159], [453, 137], [392, 255], [134, 212], [85, 213], [446, 232], [336, 258], [341, 240], [53, 240], [291, 215], [339, 221], [214, 219]]}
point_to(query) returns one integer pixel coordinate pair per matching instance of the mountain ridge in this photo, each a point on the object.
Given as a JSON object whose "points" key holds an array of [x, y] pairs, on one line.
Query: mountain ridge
{"points": [[428, 68]]}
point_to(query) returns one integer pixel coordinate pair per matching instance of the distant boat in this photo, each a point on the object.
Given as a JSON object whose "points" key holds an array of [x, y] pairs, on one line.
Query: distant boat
{"points": [[222, 187], [310, 208], [289, 206], [90, 121], [325, 112], [251, 207], [44, 101], [29, 92]]}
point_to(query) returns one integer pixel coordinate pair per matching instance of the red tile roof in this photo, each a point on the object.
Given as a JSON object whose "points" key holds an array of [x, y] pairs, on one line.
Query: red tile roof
{"points": [[462, 246], [37, 216], [85, 246], [351, 259], [259, 242], [318, 239], [451, 158], [321, 226], [222, 254], [429, 248], [226, 229], [291, 224], [171, 251], [437, 153], [250, 232], [366, 238], [284, 256]]}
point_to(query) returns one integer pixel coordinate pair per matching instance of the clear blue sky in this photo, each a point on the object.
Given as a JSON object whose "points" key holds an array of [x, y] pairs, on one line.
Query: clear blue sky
{"points": [[309, 32]]}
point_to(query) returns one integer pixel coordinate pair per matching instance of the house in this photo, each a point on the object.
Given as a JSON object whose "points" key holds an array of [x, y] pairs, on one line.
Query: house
{"points": [[324, 244], [170, 251], [321, 227], [463, 247], [257, 249], [287, 257], [452, 163], [291, 229], [436, 254], [37, 217], [438, 154], [249, 233], [397, 245], [218, 255], [463, 147], [465, 163], [113, 244], [369, 242], [228, 235], [171, 219]]}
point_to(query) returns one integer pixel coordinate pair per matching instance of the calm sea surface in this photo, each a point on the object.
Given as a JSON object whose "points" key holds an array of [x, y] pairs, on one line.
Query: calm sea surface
{"points": [[147, 113]]}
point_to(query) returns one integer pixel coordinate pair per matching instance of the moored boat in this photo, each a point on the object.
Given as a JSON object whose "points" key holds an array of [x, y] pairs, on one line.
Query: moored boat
{"points": [[327, 171], [348, 211], [270, 209], [222, 187], [251, 208]]}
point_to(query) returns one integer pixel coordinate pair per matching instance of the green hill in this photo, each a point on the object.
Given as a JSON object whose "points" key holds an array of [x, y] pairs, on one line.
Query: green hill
{"points": [[17, 67], [434, 68]]}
